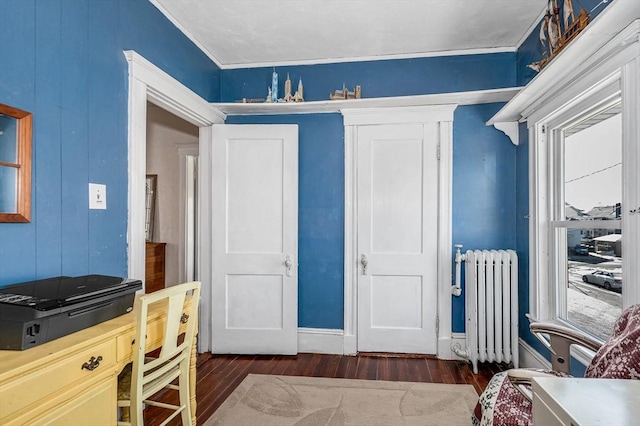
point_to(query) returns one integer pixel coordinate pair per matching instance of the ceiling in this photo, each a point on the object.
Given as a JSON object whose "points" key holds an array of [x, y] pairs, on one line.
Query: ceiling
{"points": [[252, 33]]}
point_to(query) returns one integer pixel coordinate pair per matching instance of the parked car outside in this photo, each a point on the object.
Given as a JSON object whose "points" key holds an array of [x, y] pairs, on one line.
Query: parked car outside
{"points": [[581, 249], [606, 279]]}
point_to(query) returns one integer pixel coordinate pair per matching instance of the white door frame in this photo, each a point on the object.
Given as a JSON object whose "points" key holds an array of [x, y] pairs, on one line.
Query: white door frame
{"points": [[187, 220], [148, 83], [443, 114]]}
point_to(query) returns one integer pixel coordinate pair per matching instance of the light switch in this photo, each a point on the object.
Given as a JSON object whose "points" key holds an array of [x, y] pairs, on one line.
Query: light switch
{"points": [[97, 196]]}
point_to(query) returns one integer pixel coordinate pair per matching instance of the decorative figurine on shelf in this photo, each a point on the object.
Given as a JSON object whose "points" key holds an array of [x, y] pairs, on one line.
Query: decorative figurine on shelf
{"points": [[556, 33], [345, 94], [299, 96], [272, 92], [287, 90], [274, 86]]}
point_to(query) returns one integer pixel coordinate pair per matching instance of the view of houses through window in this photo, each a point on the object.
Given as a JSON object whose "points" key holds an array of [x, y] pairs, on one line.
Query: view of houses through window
{"points": [[591, 226]]}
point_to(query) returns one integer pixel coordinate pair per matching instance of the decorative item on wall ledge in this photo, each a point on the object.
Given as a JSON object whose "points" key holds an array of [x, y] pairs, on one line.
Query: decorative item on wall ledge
{"points": [[272, 92], [150, 205], [556, 33], [345, 94], [250, 101]]}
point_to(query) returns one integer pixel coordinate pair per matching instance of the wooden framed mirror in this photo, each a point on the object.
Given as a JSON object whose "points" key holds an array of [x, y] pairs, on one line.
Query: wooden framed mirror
{"points": [[15, 164]]}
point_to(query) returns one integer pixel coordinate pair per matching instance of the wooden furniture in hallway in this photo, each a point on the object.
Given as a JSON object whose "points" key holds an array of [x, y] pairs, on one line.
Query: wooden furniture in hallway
{"points": [[154, 266]]}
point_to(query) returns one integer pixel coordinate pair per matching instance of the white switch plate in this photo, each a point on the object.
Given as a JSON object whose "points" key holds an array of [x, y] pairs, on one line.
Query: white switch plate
{"points": [[97, 196]]}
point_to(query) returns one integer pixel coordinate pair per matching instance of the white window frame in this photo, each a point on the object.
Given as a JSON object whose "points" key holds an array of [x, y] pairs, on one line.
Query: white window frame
{"points": [[551, 138], [616, 77]]}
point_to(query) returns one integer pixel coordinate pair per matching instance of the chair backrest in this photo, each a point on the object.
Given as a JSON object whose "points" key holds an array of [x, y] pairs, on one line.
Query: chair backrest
{"points": [[619, 357], [176, 351]]}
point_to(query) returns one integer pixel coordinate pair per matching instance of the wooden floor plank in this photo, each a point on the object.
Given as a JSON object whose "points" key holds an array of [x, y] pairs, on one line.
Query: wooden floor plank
{"points": [[219, 375]]}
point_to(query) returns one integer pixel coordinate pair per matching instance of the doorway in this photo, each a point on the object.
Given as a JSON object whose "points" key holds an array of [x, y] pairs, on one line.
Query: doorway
{"points": [[255, 249], [148, 83], [397, 219], [172, 145], [421, 287]]}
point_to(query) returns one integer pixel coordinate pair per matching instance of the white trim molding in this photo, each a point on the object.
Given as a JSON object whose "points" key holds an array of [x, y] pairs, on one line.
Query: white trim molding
{"points": [[353, 117], [321, 341], [148, 83], [185, 219], [509, 128], [316, 107], [530, 358]]}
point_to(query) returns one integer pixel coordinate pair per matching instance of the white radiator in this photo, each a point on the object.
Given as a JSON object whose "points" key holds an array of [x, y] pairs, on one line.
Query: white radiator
{"points": [[491, 301]]}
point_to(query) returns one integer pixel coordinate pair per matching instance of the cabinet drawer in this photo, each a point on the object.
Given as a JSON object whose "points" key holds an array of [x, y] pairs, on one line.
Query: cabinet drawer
{"points": [[97, 403], [43, 385]]}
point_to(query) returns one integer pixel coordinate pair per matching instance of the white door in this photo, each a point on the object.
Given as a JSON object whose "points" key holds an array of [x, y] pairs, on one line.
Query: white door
{"points": [[397, 220], [255, 239]]}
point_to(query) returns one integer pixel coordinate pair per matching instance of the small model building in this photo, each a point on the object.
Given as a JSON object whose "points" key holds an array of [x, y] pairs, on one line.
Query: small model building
{"points": [[345, 94], [287, 90], [299, 96]]}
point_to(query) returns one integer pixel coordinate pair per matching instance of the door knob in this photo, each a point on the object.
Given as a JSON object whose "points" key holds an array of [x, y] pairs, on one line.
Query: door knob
{"points": [[364, 263], [288, 264]]}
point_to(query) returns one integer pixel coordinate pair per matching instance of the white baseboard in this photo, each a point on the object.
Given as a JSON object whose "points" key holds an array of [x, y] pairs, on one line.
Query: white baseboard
{"points": [[350, 344], [330, 341], [321, 341], [459, 339], [530, 358]]}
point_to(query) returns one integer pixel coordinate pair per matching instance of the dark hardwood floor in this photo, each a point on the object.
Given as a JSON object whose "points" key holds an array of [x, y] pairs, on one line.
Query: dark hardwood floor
{"points": [[218, 376]]}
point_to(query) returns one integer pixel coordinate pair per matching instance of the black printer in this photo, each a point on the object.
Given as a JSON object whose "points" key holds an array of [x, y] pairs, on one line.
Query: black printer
{"points": [[36, 312]]}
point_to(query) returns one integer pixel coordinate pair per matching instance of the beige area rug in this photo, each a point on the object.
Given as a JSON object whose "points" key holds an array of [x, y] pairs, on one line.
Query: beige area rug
{"points": [[264, 400]]}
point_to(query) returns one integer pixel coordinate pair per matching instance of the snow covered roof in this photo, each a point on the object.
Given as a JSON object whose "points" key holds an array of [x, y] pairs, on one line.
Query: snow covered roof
{"points": [[611, 238]]}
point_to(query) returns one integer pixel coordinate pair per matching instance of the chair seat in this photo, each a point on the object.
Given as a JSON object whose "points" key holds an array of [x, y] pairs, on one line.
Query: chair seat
{"points": [[502, 404], [124, 382]]}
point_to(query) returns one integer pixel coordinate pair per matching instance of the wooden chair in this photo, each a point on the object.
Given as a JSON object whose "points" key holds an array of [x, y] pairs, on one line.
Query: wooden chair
{"points": [[507, 398], [146, 376]]}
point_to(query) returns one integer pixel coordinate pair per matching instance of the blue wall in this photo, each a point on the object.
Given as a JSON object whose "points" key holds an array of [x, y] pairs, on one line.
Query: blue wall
{"points": [[483, 157], [400, 77], [63, 61], [484, 188]]}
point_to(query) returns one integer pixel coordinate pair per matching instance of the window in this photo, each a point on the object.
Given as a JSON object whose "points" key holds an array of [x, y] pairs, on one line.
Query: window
{"points": [[585, 226], [15, 164], [585, 219]]}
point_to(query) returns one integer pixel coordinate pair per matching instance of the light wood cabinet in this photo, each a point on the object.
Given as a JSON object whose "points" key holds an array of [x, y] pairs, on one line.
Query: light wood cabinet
{"points": [[154, 266]]}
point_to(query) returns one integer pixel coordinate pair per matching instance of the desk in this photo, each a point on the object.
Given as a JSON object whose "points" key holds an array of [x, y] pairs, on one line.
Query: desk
{"points": [[47, 384], [580, 401]]}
